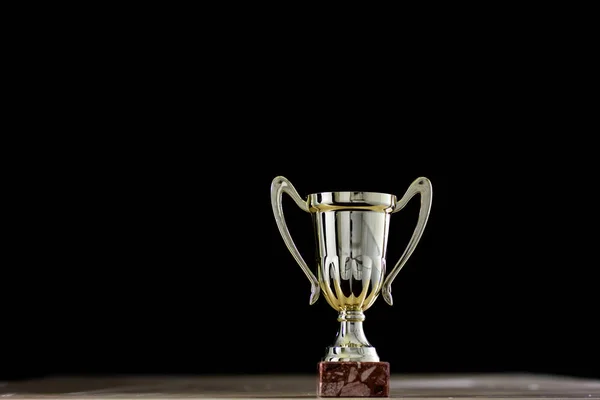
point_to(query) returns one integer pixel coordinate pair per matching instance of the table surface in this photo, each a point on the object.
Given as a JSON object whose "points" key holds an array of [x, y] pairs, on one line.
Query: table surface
{"points": [[447, 387]]}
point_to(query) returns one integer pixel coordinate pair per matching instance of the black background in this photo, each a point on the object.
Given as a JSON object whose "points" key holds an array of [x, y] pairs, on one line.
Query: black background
{"points": [[175, 264], [145, 241]]}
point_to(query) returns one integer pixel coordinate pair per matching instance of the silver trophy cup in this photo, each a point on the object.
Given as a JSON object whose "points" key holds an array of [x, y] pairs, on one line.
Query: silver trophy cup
{"points": [[352, 235]]}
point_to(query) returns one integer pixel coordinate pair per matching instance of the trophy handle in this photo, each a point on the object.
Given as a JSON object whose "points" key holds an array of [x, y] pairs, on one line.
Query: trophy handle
{"points": [[423, 187], [279, 186]]}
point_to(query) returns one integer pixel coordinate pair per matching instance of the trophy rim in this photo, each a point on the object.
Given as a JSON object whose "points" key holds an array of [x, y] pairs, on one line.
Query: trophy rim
{"points": [[351, 200]]}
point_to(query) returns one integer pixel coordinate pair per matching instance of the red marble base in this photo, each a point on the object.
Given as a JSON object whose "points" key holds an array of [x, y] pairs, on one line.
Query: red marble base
{"points": [[353, 379]]}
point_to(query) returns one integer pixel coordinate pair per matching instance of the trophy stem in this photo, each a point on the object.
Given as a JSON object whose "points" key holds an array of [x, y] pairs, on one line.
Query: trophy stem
{"points": [[351, 343], [351, 332]]}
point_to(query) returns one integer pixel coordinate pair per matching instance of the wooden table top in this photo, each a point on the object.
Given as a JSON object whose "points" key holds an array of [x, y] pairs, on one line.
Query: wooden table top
{"points": [[445, 387]]}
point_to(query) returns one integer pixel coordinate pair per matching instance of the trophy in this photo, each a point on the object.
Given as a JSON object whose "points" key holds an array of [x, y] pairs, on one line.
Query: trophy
{"points": [[351, 231]]}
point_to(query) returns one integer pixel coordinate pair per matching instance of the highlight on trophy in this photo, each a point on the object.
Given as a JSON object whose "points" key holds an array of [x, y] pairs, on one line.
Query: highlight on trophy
{"points": [[351, 229]]}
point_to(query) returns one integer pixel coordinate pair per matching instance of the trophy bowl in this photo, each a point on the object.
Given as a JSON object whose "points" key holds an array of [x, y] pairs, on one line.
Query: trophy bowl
{"points": [[351, 230]]}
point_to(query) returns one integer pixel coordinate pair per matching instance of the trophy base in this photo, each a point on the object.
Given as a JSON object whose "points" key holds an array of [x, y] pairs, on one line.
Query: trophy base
{"points": [[353, 379]]}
